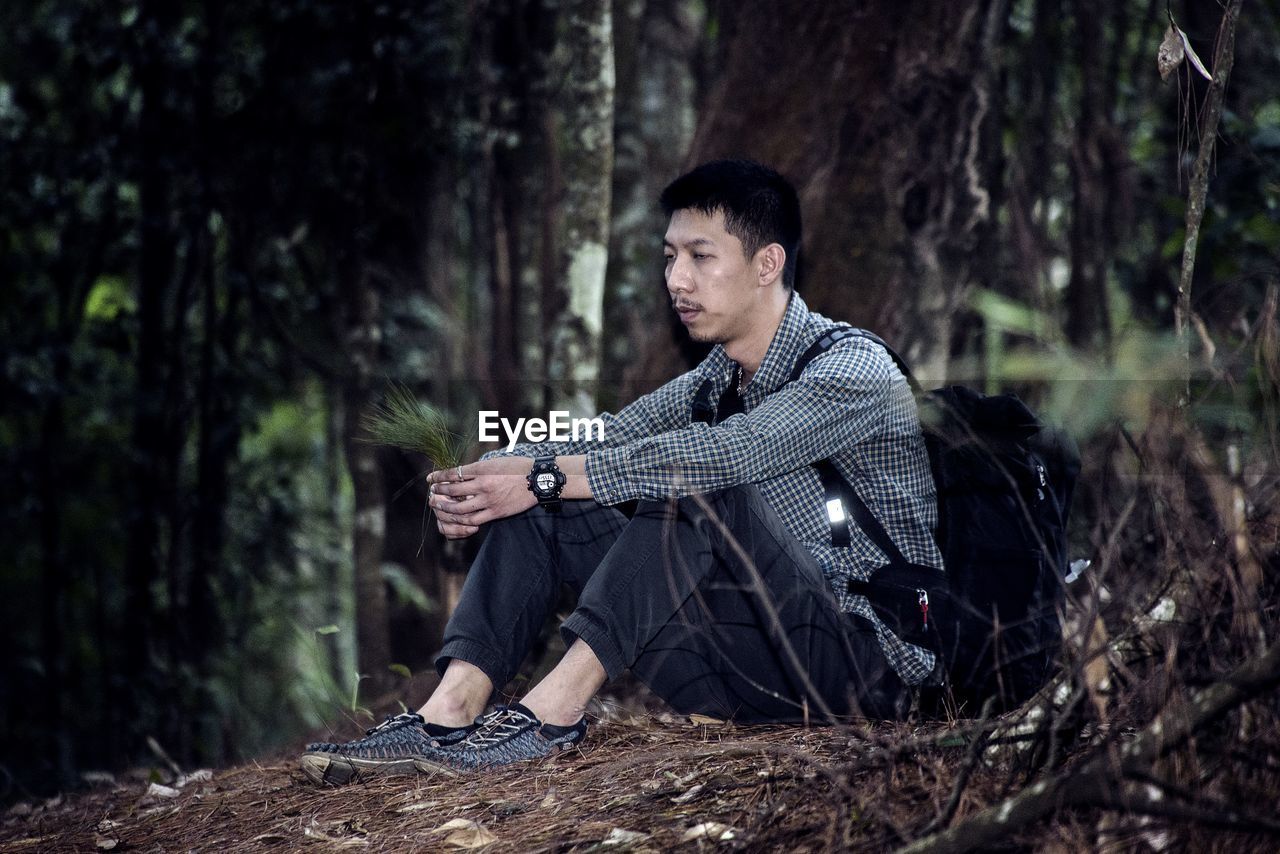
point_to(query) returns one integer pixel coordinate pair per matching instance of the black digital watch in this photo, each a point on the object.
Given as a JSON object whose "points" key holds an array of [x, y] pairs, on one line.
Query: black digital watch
{"points": [[546, 482]]}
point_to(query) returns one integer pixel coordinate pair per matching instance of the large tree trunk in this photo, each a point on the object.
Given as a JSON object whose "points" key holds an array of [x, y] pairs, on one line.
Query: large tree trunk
{"points": [[884, 115]]}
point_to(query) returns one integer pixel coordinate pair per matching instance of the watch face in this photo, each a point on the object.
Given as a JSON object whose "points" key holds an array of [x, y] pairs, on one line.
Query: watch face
{"points": [[545, 482]]}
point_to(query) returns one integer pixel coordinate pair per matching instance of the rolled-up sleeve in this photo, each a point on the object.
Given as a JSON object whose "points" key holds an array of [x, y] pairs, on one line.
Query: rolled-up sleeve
{"points": [[840, 400]]}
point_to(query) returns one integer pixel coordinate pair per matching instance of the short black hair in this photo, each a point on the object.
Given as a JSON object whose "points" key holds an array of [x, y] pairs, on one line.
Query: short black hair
{"points": [[759, 205]]}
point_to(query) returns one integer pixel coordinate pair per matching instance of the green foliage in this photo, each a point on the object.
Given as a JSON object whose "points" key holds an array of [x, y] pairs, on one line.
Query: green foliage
{"points": [[407, 591], [402, 421]]}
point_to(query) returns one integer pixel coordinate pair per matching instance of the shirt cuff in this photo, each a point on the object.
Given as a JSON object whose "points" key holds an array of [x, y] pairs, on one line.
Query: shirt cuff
{"points": [[606, 489]]}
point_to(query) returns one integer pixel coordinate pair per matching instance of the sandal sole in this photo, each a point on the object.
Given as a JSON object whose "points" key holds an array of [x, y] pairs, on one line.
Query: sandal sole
{"points": [[335, 769]]}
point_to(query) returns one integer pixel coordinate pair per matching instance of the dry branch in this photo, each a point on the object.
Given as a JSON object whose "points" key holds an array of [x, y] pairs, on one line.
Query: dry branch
{"points": [[1223, 57], [1100, 781]]}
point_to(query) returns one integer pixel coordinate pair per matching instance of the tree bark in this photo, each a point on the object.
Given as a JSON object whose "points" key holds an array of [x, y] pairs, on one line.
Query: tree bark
{"points": [[657, 45], [885, 118], [582, 147], [364, 334], [149, 440], [1097, 171]]}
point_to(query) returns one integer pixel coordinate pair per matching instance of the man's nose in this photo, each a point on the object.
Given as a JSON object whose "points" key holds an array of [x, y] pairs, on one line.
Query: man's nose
{"points": [[678, 278]]}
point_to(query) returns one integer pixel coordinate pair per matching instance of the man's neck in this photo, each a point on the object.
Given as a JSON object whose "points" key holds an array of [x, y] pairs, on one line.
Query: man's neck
{"points": [[749, 351]]}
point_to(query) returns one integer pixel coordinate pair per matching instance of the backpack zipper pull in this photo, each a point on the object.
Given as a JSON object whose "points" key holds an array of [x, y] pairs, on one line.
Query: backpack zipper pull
{"points": [[924, 608]]}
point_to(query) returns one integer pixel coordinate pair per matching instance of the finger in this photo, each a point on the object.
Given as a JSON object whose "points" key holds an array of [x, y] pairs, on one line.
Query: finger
{"points": [[450, 504], [458, 507], [458, 490], [458, 532], [472, 519]]}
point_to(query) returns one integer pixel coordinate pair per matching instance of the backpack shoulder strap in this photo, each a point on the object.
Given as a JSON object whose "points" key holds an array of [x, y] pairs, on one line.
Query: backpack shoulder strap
{"points": [[704, 411], [839, 492], [841, 332]]}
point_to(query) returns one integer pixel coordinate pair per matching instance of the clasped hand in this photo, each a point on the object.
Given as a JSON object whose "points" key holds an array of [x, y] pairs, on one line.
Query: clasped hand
{"points": [[465, 497]]}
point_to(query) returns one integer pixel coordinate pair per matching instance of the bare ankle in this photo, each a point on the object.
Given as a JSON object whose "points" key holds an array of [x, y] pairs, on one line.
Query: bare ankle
{"points": [[447, 711], [551, 710], [462, 695]]}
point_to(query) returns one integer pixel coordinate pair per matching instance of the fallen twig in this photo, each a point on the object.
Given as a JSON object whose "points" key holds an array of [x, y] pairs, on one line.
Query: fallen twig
{"points": [[1095, 782]]}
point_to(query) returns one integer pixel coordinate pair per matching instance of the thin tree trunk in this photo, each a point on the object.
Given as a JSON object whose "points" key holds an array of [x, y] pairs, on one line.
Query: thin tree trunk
{"points": [[583, 148], [1098, 184], [148, 442], [656, 47], [1223, 58], [373, 639]]}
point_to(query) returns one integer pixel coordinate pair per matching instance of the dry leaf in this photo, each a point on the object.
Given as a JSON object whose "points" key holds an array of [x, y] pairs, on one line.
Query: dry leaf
{"points": [[618, 836], [712, 830], [703, 720], [1097, 669], [1191, 54], [687, 796], [155, 790], [313, 830], [424, 805], [104, 843], [194, 777], [466, 834], [1171, 52]]}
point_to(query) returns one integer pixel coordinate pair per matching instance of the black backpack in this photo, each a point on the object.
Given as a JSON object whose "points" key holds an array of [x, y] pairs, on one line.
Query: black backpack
{"points": [[1004, 483]]}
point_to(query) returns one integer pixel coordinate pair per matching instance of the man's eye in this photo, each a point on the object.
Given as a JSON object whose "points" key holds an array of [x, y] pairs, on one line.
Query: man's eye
{"points": [[699, 256], [669, 258]]}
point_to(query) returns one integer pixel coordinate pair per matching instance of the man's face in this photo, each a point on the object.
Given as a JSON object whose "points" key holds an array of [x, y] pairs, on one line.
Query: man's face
{"points": [[712, 285]]}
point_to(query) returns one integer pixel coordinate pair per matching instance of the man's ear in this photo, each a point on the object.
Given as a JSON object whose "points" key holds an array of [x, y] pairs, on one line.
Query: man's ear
{"points": [[772, 259]]}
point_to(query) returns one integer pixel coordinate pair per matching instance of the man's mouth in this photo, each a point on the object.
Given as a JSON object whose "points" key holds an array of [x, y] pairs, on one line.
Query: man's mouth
{"points": [[686, 312]]}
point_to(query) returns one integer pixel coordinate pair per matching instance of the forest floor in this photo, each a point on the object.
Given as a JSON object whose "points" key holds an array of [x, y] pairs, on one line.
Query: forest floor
{"points": [[644, 780], [640, 783], [643, 783]]}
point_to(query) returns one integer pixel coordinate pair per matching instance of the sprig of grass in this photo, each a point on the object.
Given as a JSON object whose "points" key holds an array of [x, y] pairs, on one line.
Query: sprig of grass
{"points": [[403, 421]]}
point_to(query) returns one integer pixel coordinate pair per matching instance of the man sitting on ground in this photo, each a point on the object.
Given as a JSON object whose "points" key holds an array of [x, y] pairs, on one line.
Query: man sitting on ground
{"points": [[722, 591]]}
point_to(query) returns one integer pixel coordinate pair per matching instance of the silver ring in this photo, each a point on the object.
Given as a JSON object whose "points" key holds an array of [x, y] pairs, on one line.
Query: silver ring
{"points": [[459, 472]]}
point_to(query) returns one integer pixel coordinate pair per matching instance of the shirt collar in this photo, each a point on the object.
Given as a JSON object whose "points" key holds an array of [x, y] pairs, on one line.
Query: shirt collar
{"points": [[779, 359]]}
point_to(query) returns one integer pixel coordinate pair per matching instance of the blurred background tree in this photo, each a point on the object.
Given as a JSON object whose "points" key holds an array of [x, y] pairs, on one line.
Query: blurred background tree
{"points": [[226, 227]]}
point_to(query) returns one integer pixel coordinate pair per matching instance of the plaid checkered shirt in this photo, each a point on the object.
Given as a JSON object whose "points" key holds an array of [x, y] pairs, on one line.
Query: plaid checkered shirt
{"points": [[851, 405]]}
